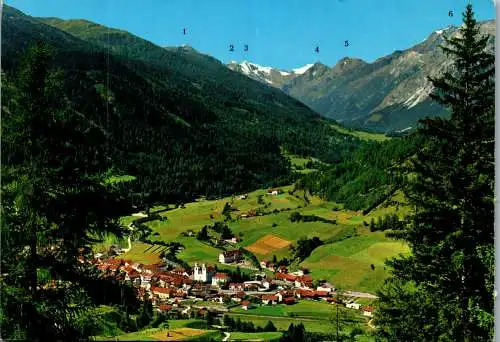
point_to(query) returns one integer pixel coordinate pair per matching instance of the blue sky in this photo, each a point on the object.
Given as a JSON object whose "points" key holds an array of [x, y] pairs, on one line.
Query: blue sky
{"points": [[279, 33]]}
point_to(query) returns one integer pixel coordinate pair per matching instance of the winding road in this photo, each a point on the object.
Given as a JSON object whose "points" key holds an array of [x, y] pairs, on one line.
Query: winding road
{"points": [[125, 250]]}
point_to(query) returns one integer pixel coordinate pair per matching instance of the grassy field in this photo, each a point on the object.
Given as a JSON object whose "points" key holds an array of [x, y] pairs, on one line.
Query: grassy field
{"points": [[179, 330], [316, 316], [262, 336], [309, 309], [143, 253], [347, 263], [362, 134]]}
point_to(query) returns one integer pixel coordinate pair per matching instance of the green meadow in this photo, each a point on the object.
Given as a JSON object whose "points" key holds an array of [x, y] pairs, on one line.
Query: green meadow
{"points": [[355, 263]]}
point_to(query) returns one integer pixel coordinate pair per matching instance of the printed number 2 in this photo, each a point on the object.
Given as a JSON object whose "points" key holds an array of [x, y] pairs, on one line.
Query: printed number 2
{"points": [[231, 47]]}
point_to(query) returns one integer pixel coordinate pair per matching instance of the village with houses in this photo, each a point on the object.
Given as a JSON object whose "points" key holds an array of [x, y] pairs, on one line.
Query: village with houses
{"points": [[180, 289], [241, 280]]}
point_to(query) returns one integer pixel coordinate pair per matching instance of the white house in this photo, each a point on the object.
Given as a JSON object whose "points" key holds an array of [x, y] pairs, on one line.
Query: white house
{"points": [[353, 306], [326, 287], [145, 279], [228, 257], [298, 273], [368, 311], [162, 293]]}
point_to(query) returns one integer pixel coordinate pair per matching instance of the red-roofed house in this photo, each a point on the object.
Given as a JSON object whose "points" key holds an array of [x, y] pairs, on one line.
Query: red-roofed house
{"points": [[236, 286], [162, 292], [152, 268], [220, 278], [368, 311], [303, 282], [181, 271], [270, 299], [274, 192], [305, 294], [164, 307], [133, 276], [289, 278], [282, 269], [245, 305]]}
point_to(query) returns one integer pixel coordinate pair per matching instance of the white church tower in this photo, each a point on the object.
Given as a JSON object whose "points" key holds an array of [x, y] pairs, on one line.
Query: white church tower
{"points": [[202, 273]]}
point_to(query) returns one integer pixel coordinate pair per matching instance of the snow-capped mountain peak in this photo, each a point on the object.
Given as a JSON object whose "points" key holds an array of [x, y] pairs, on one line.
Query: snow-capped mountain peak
{"points": [[303, 69], [269, 75]]}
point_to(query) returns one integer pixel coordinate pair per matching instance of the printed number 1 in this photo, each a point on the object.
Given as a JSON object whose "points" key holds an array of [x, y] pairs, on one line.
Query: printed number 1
{"points": [[317, 49]]}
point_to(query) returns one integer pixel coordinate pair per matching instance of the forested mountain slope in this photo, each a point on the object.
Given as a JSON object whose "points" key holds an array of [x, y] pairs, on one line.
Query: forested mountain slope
{"points": [[180, 121]]}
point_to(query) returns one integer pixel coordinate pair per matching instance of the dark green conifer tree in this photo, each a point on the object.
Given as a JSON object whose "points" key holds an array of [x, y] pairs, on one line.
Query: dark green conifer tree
{"points": [[55, 201], [443, 291]]}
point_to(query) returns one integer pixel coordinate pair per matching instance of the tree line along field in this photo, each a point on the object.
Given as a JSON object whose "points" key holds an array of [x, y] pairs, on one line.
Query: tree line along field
{"points": [[317, 317], [185, 330], [355, 263]]}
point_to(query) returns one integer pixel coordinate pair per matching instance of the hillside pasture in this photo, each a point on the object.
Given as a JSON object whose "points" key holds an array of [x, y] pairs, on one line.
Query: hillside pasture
{"points": [[268, 244], [348, 263]]}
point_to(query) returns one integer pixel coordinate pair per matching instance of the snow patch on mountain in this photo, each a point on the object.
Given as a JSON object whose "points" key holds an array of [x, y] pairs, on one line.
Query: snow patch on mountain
{"points": [[442, 30], [245, 68], [303, 69], [420, 95]]}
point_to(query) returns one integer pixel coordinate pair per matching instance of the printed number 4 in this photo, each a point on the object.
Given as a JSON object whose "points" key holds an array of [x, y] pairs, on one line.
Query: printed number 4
{"points": [[450, 13]]}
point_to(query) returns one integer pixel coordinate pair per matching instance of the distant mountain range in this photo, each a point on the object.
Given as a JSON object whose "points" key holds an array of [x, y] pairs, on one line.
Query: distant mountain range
{"points": [[389, 94]]}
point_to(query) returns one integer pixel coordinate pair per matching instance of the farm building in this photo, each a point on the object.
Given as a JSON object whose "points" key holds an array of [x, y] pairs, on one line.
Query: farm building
{"points": [[245, 305], [270, 299], [353, 306], [228, 257], [220, 278], [326, 287], [368, 311]]}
